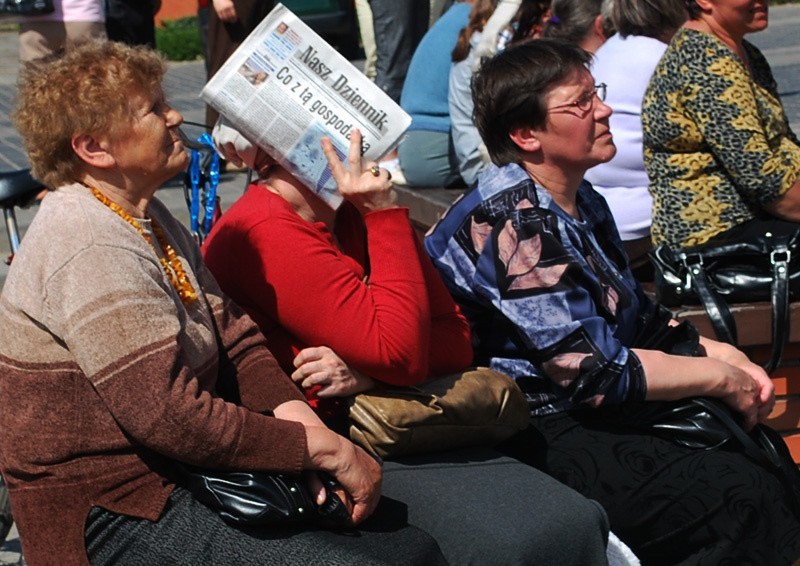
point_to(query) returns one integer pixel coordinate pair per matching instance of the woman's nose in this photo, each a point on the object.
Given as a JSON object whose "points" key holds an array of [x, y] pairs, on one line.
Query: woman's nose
{"points": [[174, 118], [601, 109]]}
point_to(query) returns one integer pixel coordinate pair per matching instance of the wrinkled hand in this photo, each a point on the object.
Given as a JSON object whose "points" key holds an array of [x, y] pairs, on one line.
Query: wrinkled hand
{"points": [[735, 357], [322, 366], [359, 474], [742, 393], [320, 493], [361, 478], [357, 184], [225, 10]]}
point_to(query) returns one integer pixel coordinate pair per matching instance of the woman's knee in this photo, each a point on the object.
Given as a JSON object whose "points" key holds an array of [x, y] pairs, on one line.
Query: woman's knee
{"points": [[495, 508]]}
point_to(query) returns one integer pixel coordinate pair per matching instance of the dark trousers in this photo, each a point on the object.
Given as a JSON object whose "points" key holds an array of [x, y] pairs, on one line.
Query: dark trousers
{"points": [[399, 26], [463, 507], [669, 503], [189, 533]]}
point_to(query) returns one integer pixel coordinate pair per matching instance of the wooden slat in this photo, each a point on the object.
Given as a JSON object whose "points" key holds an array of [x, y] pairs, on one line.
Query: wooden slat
{"points": [[786, 380], [793, 442], [753, 322], [786, 415]]}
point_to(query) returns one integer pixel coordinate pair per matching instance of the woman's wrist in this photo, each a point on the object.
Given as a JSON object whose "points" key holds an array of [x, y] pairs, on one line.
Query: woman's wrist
{"points": [[324, 449]]}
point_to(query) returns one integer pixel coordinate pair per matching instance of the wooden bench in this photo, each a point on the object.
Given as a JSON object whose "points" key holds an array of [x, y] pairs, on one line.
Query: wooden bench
{"points": [[753, 322]]}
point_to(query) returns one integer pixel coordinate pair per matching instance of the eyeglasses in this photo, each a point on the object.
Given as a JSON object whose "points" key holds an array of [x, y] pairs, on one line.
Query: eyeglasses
{"points": [[586, 101]]}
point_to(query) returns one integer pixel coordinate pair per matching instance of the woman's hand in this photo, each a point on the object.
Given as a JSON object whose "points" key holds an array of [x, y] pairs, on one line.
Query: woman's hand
{"points": [[735, 357], [322, 366], [225, 10], [745, 389], [359, 474], [320, 493], [365, 190]]}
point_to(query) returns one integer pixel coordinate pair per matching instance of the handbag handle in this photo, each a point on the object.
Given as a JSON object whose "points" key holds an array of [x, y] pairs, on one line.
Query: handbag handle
{"points": [[717, 309], [720, 314], [779, 258]]}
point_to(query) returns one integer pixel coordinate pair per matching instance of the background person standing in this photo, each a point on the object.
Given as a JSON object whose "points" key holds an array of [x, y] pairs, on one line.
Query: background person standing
{"points": [[70, 21]]}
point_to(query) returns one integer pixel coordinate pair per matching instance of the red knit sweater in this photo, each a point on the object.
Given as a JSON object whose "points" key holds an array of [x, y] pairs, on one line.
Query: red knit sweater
{"points": [[375, 299]]}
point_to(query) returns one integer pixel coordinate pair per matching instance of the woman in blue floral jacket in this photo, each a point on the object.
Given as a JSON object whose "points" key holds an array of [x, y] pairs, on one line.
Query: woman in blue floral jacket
{"points": [[534, 259]]}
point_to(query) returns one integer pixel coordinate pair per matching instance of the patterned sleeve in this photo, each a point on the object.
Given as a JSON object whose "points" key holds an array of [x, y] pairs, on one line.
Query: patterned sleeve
{"points": [[719, 98], [563, 303]]}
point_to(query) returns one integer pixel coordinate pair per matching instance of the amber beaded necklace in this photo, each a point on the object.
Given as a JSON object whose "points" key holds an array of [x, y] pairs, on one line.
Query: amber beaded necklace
{"points": [[169, 261]]}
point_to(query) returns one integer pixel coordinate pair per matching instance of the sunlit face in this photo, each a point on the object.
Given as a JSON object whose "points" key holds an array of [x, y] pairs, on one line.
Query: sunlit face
{"points": [[740, 17], [150, 151], [575, 138]]}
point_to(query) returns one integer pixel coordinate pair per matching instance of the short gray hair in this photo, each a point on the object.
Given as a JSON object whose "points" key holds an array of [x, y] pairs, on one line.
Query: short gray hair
{"points": [[650, 18]]}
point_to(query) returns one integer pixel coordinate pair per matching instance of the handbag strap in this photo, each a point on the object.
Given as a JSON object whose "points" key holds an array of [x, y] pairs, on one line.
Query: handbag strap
{"points": [[779, 258], [717, 309]]}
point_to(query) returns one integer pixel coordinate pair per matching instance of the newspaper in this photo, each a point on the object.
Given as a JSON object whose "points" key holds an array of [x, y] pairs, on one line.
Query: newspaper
{"points": [[285, 88]]}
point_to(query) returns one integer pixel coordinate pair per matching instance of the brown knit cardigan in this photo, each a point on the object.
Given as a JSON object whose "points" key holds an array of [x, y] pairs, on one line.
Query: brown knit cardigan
{"points": [[105, 375]]}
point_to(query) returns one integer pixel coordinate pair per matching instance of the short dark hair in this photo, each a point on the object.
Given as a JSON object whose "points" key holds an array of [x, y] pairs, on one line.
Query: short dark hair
{"points": [[693, 8], [509, 90], [650, 18]]}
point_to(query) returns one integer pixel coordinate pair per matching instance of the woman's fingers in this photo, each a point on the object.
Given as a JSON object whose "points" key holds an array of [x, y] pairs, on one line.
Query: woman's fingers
{"points": [[340, 175], [354, 157], [315, 488], [337, 169], [310, 354], [309, 376]]}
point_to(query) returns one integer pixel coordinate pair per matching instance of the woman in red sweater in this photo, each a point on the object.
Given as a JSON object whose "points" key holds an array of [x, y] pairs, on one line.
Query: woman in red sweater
{"points": [[348, 298], [355, 280]]}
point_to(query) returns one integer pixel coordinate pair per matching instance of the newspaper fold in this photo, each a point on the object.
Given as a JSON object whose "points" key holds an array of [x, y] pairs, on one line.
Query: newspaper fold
{"points": [[285, 88]]}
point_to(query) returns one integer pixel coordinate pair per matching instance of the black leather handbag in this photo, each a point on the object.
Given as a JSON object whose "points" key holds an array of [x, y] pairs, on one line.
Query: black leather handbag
{"points": [[256, 499], [765, 268], [700, 422], [704, 423], [26, 7]]}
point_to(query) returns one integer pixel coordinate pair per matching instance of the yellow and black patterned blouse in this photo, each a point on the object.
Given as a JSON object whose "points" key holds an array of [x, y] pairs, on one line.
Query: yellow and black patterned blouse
{"points": [[717, 144]]}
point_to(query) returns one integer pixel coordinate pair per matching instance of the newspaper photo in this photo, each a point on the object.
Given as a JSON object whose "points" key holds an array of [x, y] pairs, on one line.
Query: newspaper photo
{"points": [[285, 88]]}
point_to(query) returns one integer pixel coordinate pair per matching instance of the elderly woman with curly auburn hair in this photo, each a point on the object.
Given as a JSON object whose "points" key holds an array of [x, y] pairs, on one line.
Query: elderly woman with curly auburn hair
{"points": [[114, 338]]}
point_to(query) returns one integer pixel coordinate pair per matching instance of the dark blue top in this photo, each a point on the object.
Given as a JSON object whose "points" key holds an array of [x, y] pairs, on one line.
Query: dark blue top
{"points": [[424, 94], [550, 299]]}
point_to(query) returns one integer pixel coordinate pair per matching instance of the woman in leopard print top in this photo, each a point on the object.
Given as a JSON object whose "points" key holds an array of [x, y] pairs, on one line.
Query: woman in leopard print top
{"points": [[718, 148]]}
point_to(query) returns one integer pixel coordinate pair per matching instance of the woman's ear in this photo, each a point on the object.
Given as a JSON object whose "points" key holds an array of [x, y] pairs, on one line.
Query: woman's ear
{"points": [[92, 151], [525, 138], [599, 30], [704, 5]]}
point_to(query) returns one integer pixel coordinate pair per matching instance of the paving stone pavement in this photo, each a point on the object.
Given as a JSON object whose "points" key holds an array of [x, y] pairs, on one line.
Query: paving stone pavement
{"points": [[780, 44]]}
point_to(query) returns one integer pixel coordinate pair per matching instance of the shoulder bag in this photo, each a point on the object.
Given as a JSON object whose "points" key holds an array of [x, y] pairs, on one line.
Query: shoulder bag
{"points": [[765, 268], [700, 422], [476, 407], [26, 7]]}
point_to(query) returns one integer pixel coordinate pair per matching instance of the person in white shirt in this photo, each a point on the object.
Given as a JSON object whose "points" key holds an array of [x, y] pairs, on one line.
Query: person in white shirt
{"points": [[71, 20], [625, 63]]}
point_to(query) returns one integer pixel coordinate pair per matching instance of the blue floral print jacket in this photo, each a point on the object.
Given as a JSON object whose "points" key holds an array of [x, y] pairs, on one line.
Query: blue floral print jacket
{"points": [[550, 299]]}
